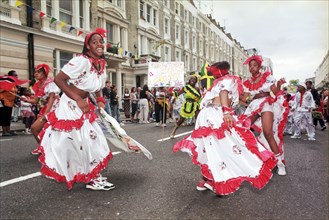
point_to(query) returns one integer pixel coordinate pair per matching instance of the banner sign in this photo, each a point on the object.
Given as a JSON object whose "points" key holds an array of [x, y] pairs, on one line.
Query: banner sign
{"points": [[165, 74]]}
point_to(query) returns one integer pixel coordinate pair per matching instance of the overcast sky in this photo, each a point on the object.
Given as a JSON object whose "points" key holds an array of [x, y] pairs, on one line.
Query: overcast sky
{"points": [[294, 34]]}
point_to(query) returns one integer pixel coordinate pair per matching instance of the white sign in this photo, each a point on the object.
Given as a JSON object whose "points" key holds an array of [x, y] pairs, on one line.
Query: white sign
{"points": [[166, 74]]}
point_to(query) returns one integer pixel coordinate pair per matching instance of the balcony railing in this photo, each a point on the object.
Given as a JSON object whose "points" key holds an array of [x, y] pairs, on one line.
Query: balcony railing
{"points": [[5, 10], [9, 13]]}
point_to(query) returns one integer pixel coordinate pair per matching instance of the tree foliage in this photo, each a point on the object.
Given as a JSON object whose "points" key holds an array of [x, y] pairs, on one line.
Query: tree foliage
{"points": [[294, 82]]}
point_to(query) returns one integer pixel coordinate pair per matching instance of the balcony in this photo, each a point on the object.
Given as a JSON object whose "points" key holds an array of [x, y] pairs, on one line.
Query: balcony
{"points": [[112, 48], [113, 56], [144, 59], [9, 13], [57, 28]]}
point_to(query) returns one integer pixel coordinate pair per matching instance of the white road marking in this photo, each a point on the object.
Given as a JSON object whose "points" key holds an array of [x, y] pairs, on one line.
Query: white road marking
{"points": [[178, 135], [19, 179], [6, 139], [22, 178]]}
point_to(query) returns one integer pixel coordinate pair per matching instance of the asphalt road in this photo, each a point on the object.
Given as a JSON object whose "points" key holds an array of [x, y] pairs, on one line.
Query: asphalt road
{"points": [[164, 188]]}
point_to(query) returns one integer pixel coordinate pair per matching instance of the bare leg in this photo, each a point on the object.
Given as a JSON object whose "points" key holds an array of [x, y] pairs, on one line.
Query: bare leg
{"points": [[178, 124], [37, 127], [267, 125]]}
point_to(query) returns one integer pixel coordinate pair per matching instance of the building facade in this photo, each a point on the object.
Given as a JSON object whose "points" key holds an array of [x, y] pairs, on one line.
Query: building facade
{"points": [[138, 32], [322, 74]]}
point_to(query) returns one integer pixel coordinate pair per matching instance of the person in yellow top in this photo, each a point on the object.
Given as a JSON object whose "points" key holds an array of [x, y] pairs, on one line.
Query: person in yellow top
{"points": [[7, 99], [190, 107]]}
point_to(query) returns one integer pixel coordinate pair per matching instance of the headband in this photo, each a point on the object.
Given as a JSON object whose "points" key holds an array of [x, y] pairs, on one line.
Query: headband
{"points": [[43, 66], [257, 58], [100, 31], [217, 72]]}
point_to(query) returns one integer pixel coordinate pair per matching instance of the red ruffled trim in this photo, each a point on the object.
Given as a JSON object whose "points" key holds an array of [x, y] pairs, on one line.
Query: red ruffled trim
{"points": [[40, 91], [245, 119], [79, 177], [69, 125], [283, 123], [254, 86], [189, 146], [208, 131], [232, 185]]}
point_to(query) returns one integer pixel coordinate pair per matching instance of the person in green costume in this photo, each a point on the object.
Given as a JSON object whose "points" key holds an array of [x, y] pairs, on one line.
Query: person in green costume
{"points": [[190, 107]]}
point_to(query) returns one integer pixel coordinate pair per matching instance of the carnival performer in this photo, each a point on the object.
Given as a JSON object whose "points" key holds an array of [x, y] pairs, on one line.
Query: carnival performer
{"points": [[258, 88], [74, 148], [161, 106], [46, 96], [290, 124], [190, 108], [227, 152], [303, 106]]}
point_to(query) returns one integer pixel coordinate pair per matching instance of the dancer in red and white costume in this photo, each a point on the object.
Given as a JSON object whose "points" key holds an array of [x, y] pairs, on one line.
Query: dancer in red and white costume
{"points": [[227, 152], [46, 95], [74, 148], [269, 113]]}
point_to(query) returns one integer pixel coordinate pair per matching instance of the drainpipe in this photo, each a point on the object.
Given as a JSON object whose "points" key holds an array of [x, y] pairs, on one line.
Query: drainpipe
{"points": [[30, 40]]}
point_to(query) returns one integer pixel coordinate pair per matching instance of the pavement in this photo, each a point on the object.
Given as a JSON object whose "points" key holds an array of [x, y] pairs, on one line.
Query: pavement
{"points": [[16, 126], [163, 188]]}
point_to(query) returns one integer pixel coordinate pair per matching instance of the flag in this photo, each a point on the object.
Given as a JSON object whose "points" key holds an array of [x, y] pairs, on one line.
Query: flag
{"points": [[41, 14], [30, 9], [62, 24], [206, 78], [79, 33], [71, 29], [52, 20], [18, 3]]}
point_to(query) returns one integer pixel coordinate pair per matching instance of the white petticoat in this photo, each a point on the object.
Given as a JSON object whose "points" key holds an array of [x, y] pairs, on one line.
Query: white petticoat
{"points": [[227, 156], [280, 109], [73, 146]]}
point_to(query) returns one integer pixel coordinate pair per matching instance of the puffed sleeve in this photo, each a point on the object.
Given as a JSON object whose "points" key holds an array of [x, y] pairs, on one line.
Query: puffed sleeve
{"points": [[76, 66], [271, 79], [52, 88], [229, 84]]}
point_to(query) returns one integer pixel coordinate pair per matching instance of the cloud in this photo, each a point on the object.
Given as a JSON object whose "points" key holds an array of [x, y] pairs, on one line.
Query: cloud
{"points": [[294, 34]]}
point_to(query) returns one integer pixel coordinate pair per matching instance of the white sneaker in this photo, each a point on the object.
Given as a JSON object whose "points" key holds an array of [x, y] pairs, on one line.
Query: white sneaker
{"points": [[164, 125], [122, 124], [311, 139], [156, 124], [295, 136], [100, 185], [281, 169], [103, 179]]}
